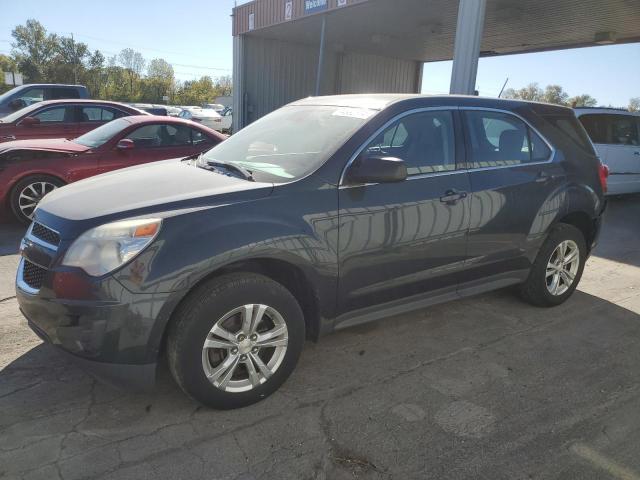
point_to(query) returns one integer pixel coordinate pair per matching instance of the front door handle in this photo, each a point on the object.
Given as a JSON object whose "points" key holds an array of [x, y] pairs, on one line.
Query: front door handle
{"points": [[452, 196]]}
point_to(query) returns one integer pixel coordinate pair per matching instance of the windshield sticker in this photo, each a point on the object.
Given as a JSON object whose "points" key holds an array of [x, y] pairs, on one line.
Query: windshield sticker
{"points": [[362, 113]]}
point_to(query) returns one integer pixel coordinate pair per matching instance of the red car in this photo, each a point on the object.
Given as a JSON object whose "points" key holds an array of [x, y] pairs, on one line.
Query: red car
{"points": [[61, 119], [29, 169]]}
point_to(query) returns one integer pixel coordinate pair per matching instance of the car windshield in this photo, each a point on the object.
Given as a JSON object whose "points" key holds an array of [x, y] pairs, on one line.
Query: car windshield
{"points": [[12, 117], [291, 142], [103, 134]]}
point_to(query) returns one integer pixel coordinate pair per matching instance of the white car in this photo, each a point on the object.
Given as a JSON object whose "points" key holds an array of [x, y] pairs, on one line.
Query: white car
{"points": [[208, 117], [616, 136]]}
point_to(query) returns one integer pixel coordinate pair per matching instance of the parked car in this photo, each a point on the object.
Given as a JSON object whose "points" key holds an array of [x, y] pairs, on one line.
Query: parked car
{"points": [[25, 95], [30, 169], [326, 213], [616, 135], [61, 119], [208, 117]]}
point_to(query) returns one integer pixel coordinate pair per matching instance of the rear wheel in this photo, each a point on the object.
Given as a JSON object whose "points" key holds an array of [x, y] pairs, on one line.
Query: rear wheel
{"points": [[235, 340], [28, 192], [557, 269]]}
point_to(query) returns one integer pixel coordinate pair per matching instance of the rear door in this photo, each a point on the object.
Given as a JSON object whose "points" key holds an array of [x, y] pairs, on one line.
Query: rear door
{"points": [[617, 139], [152, 142], [406, 238], [92, 116], [513, 179]]}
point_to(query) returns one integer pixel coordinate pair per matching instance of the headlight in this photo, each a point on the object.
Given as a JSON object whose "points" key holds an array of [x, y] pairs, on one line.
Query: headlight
{"points": [[105, 248]]}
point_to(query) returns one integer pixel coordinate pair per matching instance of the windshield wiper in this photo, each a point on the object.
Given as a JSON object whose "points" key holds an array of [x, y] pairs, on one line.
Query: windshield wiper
{"points": [[243, 172]]}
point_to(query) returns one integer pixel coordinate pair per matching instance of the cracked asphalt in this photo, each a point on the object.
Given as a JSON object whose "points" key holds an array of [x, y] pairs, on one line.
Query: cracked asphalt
{"points": [[487, 387]]}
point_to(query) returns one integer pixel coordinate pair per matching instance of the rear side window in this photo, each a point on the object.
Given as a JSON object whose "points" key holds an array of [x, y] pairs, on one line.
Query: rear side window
{"points": [[499, 139], [611, 129], [161, 135], [62, 93], [96, 114], [425, 141]]}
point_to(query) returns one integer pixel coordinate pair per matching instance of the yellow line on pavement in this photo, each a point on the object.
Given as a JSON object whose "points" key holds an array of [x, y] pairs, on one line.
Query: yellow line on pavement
{"points": [[604, 463]]}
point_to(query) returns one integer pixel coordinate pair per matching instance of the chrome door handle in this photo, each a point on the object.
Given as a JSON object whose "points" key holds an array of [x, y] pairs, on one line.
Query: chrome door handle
{"points": [[451, 197]]}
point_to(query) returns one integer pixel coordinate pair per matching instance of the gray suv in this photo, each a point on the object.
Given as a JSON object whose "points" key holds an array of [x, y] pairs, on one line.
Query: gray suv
{"points": [[327, 213], [25, 95]]}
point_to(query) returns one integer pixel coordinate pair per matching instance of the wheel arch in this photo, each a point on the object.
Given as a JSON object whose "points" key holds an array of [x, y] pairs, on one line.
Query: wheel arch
{"points": [[289, 275], [583, 222]]}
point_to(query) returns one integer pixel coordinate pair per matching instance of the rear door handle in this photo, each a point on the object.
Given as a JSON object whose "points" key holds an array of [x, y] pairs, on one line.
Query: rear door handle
{"points": [[452, 196], [543, 177]]}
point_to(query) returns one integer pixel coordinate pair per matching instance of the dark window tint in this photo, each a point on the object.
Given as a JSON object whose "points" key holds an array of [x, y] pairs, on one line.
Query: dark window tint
{"points": [[499, 139], [425, 141], [161, 135], [62, 93], [55, 115], [611, 128]]}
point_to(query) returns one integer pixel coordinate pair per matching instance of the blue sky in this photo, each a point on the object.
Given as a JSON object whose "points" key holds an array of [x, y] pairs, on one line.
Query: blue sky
{"points": [[195, 36]]}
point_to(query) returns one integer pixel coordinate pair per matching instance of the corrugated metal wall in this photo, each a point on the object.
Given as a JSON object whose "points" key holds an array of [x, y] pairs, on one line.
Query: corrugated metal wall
{"points": [[276, 73], [374, 74]]}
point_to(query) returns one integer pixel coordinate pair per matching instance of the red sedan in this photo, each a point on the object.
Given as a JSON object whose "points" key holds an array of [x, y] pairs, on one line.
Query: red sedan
{"points": [[61, 119], [29, 169]]}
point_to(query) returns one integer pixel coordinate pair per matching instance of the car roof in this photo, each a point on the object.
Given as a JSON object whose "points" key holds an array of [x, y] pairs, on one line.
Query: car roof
{"points": [[599, 110], [141, 119], [84, 101], [61, 85], [380, 101]]}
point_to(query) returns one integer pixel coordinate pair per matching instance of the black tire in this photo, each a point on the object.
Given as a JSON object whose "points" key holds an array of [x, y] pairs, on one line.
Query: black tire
{"points": [[535, 290], [14, 199], [197, 315]]}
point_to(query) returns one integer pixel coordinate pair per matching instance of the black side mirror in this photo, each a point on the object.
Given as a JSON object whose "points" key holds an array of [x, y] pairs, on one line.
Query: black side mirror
{"points": [[372, 168]]}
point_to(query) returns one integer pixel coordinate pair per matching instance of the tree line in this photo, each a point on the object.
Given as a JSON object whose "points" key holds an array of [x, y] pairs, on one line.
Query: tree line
{"points": [[556, 94], [44, 57]]}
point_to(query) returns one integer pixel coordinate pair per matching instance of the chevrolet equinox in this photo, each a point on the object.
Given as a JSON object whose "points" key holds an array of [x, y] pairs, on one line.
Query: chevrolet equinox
{"points": [[326, 213]]}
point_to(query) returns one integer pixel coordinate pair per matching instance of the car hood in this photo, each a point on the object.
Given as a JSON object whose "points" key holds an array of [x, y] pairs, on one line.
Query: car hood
{"points": [[158, 187], [44, 144]]}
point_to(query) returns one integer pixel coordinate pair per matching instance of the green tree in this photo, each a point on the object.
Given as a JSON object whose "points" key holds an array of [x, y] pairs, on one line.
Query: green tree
{"points": [[531, 92], [33, 50], [159, 82], [584, 100], [634, 104], [7, 64], [555, 94]]}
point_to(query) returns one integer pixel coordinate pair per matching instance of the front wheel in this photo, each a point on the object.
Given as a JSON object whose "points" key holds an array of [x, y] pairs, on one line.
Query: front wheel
{"points": [[235, 340], [28, 192], [557, 269]]}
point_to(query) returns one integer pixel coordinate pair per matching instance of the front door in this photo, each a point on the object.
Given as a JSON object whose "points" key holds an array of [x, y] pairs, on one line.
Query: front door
{"points": [[408, 238], [55, 122]]}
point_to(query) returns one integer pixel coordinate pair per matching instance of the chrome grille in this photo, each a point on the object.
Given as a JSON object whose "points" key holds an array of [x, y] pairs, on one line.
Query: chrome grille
{"points": [[45, 234], [32, 274]]}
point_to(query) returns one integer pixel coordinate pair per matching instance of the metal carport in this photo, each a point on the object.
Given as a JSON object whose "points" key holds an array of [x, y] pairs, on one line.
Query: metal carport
{"points": [[288, 49]]}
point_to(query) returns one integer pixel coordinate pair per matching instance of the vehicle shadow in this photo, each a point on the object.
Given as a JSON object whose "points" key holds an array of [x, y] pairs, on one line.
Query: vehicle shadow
{"points": [[57, 415], [620, 243], [11, 232]]}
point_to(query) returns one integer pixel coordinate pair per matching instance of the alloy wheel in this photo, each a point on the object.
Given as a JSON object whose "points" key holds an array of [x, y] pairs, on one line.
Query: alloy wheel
{"points": [[245, 348], [562, 267], [31, 195]]}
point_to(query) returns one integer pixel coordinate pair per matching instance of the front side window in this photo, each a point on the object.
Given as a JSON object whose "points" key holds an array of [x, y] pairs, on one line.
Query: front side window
{"points": [[31, 95], [55, 115], [101, 135], [425, 141], [62, 93], [498, 139]]}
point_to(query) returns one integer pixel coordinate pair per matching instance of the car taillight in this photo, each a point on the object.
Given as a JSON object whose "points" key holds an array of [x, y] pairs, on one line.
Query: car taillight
{"points": [[603, 173]]}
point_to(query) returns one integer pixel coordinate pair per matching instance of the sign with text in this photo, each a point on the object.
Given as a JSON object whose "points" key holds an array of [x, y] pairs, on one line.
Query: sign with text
{"points": [[313, 6], [288, 10], [252, 21], [342, 3]]}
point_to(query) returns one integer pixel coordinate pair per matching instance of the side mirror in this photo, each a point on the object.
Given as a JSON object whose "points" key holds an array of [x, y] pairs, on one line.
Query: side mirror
{"points": [[30, 121], [376, 169], [126, 144], [17, 104]]}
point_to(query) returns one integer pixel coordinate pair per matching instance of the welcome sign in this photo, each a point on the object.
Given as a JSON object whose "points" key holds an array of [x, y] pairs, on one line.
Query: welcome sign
{"points": [[312, 6]]}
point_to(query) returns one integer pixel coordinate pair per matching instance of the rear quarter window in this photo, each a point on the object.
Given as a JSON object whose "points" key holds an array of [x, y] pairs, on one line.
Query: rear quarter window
{"points": [[573, 130]]}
